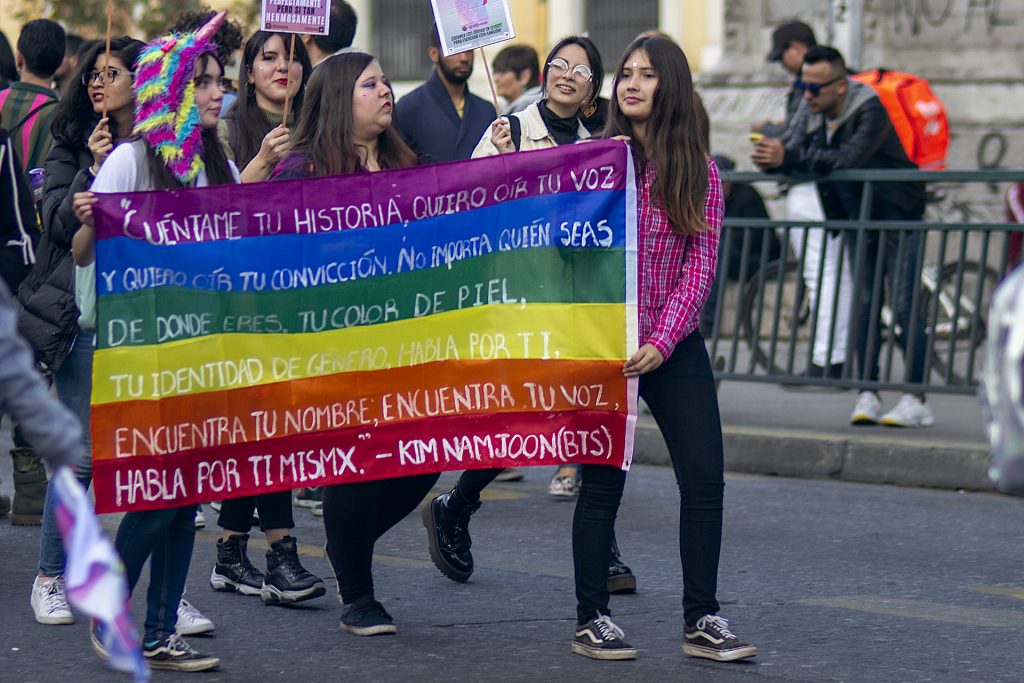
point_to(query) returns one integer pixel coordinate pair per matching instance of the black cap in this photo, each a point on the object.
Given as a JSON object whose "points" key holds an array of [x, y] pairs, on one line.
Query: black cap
{"points": [[786, 33]]}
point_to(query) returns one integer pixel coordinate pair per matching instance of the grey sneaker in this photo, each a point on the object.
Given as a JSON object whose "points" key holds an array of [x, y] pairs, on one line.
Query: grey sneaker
{"points": [[712, 639], [600, 638]]}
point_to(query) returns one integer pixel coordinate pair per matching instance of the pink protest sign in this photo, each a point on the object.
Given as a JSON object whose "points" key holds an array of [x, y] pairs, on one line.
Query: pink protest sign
{"points": [[296, 16], [468, 24]]}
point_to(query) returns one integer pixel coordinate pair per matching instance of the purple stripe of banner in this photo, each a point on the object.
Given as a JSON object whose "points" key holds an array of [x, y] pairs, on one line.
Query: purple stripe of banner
{"points": [[359, 200]]}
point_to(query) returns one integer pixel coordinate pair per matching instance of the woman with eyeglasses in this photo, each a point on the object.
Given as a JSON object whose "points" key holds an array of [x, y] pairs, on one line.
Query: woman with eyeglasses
{"points": [[572, 78], [254, 132], [679, 217], [178, 74]]}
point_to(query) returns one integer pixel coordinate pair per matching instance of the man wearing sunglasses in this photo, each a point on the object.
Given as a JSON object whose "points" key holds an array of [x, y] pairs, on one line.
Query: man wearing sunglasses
{"points": [[846, 126]]}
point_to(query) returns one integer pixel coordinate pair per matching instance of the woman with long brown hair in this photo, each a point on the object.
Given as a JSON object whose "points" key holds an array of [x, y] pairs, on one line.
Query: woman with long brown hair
{"points": [[346, 126], [680, 210]]}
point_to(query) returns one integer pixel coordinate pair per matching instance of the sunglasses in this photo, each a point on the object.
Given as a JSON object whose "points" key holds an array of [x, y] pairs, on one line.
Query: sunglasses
{"points": [[103, 76], [816, 88], [581, 73]]}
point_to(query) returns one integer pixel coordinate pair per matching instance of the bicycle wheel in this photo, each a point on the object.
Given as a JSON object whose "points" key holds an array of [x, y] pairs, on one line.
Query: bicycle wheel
{"points": [[960, 321], [774, 312]]}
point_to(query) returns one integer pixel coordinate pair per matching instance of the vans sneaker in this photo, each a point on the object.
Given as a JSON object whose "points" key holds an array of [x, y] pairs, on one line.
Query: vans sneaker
{"points": [[867, 410], [174, 654], [366, 617], [191, 622], [712, 639], [909, 412], [49, 602], [600, 638]]}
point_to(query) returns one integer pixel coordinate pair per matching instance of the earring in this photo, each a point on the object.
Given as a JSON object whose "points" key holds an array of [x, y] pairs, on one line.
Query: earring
{"points": [[590, 109]]}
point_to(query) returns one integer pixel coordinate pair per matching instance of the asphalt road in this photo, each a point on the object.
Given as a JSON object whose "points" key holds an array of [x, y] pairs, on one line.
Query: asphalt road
{"points": [[833, 581]]}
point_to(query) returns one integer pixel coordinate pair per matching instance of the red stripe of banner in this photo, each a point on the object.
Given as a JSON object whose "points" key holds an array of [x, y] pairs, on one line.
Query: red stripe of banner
{"points": [[361, 454]]}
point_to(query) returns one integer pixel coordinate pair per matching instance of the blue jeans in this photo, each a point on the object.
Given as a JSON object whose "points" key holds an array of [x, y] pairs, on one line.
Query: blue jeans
{"points": [[167, 536], [74, 387]]}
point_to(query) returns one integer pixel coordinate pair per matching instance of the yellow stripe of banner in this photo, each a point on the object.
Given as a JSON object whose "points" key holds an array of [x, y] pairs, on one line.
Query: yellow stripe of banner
{"points": [[230, 361]]}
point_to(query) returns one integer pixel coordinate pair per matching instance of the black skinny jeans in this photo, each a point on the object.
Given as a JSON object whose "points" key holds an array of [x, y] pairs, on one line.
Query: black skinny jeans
{"points": [[275, 512], [356, 515], [681, 395]]}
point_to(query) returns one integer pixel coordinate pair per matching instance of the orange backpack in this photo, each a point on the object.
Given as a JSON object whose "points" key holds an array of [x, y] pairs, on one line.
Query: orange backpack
{"points": [[916, 113]]}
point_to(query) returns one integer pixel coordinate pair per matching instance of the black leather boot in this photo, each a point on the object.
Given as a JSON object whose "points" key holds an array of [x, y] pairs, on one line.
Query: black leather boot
{"points": [[620, 577], [447, 521]]}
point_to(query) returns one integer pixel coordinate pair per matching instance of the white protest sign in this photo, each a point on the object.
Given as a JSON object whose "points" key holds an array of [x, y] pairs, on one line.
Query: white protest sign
{"points": [[296, 16], [468, 24]]}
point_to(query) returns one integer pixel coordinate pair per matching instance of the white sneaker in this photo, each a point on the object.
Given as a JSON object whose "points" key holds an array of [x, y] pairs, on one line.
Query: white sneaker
{"points": [[867, 410], [191, 621], [909, 412], [200, 521], [49, 602]]}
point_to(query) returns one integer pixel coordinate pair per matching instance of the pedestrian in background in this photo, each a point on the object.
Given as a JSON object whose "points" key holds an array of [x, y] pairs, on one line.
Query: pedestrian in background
{"points": [[516, 71], [161, 158], [442, 120], [343, 31], [346, 126], [680, 208]]}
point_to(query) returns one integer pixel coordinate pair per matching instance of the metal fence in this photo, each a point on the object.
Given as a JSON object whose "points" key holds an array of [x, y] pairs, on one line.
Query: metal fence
{"points": [[613, 24], [909, 298]]}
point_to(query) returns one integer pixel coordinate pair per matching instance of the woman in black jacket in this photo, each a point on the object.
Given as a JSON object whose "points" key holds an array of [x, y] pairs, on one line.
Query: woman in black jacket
{"points": [[82, 139]]}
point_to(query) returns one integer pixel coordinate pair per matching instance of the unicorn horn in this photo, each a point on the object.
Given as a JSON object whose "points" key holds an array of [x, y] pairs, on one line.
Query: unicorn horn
{"points": [[207, 31]]}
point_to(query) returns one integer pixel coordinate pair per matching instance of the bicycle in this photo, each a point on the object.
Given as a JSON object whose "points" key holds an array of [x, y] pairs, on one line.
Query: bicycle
{"points": [[775, 312]]}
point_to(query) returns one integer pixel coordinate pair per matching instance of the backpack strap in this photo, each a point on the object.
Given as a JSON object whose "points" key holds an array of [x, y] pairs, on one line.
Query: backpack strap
{"points": [[515, 127], [31, 113]]}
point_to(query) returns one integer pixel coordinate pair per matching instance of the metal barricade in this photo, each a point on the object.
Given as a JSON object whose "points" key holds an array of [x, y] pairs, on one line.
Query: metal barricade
{"points": [[908, 300]]}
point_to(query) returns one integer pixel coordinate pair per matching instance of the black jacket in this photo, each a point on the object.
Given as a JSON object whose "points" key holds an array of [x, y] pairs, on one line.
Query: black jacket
{"points": [[863, 138], [19, 229], [49, 317], [430, 125]]}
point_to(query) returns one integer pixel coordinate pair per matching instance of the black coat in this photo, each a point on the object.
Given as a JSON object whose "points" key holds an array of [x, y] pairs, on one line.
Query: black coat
{"points": [[49, 317], [17, 218], [430, 125], [863, 138]]}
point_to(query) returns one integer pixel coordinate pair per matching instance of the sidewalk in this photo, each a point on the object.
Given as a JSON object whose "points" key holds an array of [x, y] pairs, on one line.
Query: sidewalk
{"points": [[769, 430]]}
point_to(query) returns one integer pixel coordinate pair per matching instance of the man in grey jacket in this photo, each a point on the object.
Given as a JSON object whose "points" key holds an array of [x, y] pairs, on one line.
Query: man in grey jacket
{"points": [[49, 427]]}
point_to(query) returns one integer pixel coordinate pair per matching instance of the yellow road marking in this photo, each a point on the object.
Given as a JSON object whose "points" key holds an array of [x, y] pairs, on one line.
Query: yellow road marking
{"points": [[922, 609], [999, 590]]}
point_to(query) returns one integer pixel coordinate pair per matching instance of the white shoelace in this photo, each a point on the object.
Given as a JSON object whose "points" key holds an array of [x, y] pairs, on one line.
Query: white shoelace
{"points": [[188, 611], [176, 645], [713, 622], [608, 629], [55, 600]]}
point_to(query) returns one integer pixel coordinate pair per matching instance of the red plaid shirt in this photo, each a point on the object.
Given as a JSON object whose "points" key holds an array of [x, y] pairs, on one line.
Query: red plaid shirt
{"points": [[676, 271]]}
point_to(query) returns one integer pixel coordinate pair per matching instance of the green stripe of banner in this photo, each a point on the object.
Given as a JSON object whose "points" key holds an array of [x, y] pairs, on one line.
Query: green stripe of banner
{"points": [[549, 275]]}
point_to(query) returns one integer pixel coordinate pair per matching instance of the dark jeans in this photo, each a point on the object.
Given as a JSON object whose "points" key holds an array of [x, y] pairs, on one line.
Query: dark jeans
{"points": [[356, 515], [275, 512], [681, 396], [899, 273], [165, 537]]}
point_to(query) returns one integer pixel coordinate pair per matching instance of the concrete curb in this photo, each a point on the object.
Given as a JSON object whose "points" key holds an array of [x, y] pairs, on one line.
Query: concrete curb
{"points": [[810, 455]]}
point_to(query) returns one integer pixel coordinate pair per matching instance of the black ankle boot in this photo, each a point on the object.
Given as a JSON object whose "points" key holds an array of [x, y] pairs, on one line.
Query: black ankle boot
{"points": [[287, 581], [234, 571], [447, 521], [620, 577]]}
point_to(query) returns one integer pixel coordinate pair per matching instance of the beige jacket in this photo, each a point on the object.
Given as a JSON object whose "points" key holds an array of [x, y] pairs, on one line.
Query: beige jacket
{"points": [[535, 134]]}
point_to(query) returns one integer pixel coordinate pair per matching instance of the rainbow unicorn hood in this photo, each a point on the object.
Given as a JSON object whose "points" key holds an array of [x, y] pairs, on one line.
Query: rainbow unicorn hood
{"points": [[165, 98]]}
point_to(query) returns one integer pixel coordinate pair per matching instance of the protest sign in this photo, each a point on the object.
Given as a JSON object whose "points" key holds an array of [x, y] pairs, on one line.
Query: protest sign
{"points": [[468, 24], [254, 338], [296, 16]]}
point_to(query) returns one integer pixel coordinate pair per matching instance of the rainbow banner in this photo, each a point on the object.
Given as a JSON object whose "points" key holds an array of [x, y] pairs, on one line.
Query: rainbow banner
{"points": [[254, 338]]}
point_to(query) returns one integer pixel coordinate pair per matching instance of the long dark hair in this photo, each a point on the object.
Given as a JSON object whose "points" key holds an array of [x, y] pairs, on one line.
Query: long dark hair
{"points": [[593, 56], [75, 118], [324, 131], [676, 133], [215, 159], [247, 125]]}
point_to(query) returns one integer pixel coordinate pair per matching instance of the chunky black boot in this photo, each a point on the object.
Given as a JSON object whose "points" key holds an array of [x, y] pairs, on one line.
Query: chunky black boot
{"points": [[287, 581], [29, 488], [620, 577], [447, 521], [234, 571]]}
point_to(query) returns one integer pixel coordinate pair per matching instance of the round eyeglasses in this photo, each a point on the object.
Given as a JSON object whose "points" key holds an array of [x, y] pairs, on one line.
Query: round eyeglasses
{"points": [[581, 73]]}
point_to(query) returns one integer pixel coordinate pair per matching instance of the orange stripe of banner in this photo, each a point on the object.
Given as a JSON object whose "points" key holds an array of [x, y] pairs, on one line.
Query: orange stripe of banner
{"points": [[354, 399]]}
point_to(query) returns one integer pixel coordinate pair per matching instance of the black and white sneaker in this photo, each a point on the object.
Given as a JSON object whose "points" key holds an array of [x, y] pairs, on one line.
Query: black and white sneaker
{"points": [[287, 581], [366, 617], [600, 638], [233, 571], [174, 654], [309, 497], [712, 639]]}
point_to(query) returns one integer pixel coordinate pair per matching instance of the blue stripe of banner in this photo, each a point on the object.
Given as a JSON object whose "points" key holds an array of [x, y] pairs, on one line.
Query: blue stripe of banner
{"points": [[591, 220]]}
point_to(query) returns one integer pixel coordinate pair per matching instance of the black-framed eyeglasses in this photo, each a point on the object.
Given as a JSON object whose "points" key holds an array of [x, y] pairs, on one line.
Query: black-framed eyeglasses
{"points": [[103, 76], [581, 73], [816, 88]]}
